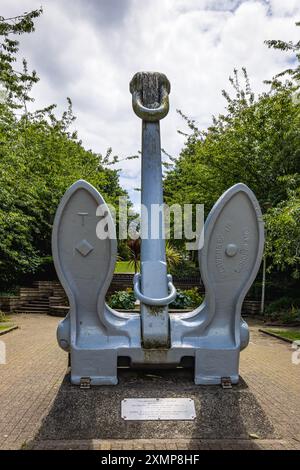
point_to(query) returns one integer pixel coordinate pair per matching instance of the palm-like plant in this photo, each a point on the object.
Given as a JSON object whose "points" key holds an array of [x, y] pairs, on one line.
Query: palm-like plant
{"points": [[134, 253], [172, 255]]}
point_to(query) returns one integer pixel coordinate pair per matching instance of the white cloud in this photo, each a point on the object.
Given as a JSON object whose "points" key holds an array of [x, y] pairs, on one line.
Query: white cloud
{"points": [[288, 8], [89, 50]]}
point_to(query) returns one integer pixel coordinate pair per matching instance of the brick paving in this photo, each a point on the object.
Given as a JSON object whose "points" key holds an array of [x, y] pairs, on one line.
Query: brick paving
{"points": [[30, 379], [36, 367], [170, 444]]}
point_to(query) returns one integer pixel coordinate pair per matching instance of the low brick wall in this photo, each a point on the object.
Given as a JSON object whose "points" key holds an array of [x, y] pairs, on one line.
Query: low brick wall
{"points": [[32, 299], [251, 307], [58, 301], [9, 304]]}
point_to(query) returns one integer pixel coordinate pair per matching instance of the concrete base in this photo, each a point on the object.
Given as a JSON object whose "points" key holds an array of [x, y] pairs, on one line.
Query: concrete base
{"points": [[96, 413]]}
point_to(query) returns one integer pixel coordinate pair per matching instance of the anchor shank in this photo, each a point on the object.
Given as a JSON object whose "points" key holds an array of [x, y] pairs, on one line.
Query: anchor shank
{"points": [[151, 103], [155, 320], [153, 249]]}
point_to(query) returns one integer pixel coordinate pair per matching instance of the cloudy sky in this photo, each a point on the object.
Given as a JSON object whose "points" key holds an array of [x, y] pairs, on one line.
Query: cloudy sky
{"points": [[90, 49]]}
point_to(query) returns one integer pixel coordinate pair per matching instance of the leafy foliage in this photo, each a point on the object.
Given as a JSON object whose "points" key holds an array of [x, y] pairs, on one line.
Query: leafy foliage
{"points": [[17, 83], [284, 46], [195, 297], [173, 256], [257, 142], [187, 298], [184, 269], [284, 310], [283, 240], [3, 317], [281, 305], [122, 299], [40, 157], [182, 301]]}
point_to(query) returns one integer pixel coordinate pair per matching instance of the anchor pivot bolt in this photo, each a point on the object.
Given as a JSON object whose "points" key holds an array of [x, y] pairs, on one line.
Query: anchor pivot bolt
{"points": [[231, 249]]}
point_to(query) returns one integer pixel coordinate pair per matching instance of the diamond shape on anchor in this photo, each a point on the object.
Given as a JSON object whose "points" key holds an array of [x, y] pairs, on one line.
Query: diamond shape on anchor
{"points": [[84, 247]]}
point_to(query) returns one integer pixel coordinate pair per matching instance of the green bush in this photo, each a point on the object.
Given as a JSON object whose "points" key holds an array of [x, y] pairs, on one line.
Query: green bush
{"points": [[285, 310], [187, 298], [12, 293], [182, 301], [281, 305], [3, 317], [124, 299], [195, 296], [185, 269], [291, 316]]}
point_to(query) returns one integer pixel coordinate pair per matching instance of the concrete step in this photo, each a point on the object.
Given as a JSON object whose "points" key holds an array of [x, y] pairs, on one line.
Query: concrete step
{"points": [[29, 312], [42, 306], [34, 308]]}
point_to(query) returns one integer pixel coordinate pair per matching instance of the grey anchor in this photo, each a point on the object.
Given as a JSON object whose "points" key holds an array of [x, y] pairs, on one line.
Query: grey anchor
{"points": [[97, 336]]}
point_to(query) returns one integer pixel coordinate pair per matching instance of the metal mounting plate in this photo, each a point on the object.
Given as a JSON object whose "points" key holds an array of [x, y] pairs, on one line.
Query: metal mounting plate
{"points": [[226, 382], [85, 382]]}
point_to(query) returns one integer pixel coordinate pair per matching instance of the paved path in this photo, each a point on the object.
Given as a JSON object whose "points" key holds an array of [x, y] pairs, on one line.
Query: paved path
{"points": [[36, 367]]}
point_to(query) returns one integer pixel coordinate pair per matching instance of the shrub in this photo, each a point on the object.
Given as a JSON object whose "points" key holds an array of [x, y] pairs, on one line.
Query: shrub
{"points": [[195, 296], [124, 299], [285, 310], [291, 316], [11, 293], [182, 300], [187, 298], [184, 269], [281, 305], [3, 317]]}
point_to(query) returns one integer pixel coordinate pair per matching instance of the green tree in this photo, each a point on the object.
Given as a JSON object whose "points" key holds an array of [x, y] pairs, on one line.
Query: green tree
{"points": [[40, 157], [257, 142], [283, 240], [16, 83]]}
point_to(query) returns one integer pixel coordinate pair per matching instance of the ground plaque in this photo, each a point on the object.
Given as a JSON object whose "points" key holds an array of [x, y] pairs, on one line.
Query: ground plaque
{"points": [[152, 409]]}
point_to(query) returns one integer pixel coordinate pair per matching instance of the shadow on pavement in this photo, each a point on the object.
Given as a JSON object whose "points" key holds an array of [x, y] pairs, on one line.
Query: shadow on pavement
{"points": [[95, 413]]}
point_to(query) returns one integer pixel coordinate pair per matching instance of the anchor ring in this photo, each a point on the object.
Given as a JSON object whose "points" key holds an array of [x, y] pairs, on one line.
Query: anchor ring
{"points": [[152, 301], [159, 110], [151, 114]]}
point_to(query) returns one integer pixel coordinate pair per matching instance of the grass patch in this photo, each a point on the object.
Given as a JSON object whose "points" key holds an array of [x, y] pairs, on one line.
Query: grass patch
{"points": [[293, 335], [124, 267], [5, 327], [5, 322]]}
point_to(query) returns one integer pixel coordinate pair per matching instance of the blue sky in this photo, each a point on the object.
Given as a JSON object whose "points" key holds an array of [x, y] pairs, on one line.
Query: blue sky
{"points": [[90, 49]]}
